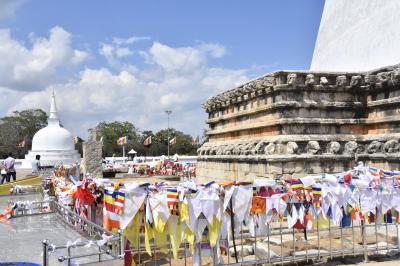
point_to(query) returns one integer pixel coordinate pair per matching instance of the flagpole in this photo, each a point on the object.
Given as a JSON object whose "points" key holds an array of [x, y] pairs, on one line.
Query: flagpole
{"points": [[123, 152], [168, 112]]}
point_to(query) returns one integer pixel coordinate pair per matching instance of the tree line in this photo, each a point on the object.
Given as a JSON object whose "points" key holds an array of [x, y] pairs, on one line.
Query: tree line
{"points": [[110, 132], [18, 129]]}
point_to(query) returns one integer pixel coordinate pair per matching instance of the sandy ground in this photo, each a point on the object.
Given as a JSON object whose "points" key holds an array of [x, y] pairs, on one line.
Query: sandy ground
{"points": [[23, 173]]}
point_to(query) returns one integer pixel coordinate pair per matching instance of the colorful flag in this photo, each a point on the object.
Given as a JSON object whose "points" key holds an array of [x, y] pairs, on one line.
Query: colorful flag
{"points": [[195, 141], [296, 184], [147, 141], [258, 205], [112, 209], [172, 141], [6, 214], [376, 172], [122, 140], [173, 200], [21, 144]]}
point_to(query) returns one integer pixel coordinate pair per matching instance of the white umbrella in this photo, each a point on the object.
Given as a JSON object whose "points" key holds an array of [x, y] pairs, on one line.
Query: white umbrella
{"points": [[132, 152]]}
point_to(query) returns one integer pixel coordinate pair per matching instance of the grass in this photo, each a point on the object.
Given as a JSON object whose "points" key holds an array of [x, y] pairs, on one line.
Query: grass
{"points": [[5, 188]]}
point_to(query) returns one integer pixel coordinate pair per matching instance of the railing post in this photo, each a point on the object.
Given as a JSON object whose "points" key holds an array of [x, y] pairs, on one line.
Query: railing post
{"points": [[121, 244], [364, 239], [69, 255], [45, 244], [398, 234]]}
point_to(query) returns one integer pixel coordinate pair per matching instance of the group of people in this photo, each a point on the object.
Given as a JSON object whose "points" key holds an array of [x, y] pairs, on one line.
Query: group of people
{"points": [[187, 169], [7, 168]]}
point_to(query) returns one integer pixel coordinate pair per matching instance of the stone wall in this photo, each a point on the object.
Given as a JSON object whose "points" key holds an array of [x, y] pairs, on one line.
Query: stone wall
{"points": [[92, 157], [303, 123]]}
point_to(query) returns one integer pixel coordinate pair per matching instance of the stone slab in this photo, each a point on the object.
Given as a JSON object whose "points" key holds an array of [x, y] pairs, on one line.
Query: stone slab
{"points": [[311, 252]]}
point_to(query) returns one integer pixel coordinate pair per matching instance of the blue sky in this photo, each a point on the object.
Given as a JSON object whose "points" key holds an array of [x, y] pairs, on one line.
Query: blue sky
{"points": [[146, 56]]}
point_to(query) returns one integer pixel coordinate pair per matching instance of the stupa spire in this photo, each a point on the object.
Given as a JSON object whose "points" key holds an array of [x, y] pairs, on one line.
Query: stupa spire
{"points": [[53, 118]]}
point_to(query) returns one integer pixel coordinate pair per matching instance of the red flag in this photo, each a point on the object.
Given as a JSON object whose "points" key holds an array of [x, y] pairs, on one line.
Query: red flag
{"points": [[195, 141], [147, 141], [122, 140], [21, 144]]}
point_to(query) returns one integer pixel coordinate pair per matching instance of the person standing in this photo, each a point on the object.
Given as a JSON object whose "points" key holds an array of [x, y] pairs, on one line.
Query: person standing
{"points": [[36, 165], [9, 164], [3, 171]]}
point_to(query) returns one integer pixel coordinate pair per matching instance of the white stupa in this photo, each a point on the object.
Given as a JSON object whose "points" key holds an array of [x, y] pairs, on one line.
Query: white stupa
{"points": [[53, 143]]}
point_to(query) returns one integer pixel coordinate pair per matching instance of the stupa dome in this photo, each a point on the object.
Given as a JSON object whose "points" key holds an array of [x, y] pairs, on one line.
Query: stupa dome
{"points": [[52, 138], [53, 143]]}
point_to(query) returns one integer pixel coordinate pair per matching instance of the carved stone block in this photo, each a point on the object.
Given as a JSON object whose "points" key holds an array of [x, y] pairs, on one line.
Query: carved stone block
{"points": [[313, 147], [391, 146], [292, 147], [341, 81], [374, 147], [333, 147], [323, 81], [270, 149], [310, 80], [292, 79]]}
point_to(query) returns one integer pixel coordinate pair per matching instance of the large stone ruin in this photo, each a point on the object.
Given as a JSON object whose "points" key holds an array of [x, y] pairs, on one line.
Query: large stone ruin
{"points": [[92, 155], [302, 122]]}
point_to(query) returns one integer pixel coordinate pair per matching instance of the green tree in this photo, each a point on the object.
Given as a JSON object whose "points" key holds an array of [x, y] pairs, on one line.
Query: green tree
{"points": [[183, 144], [112, 131], [20, 126]]}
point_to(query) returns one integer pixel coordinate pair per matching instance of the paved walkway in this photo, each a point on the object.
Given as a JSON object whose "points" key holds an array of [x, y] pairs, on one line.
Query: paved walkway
{"points": [[21, 238]]}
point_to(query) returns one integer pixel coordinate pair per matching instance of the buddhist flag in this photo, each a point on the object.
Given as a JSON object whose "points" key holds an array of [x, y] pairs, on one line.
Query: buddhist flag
{"points": [[122, 140], [113, 205], [147, 141], [195, 141], [172, 141], [6, 214], [21, 144]]}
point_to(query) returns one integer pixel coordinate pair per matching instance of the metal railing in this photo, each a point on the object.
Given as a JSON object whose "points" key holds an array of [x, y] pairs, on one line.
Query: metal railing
{"points": [[281, 245], [277, 244], [88, 229], [49, 248], [293, 245], [112, 245]]}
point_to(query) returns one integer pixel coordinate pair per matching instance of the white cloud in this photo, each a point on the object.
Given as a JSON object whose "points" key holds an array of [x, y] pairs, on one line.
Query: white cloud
{"points": [[130, 40], [216, 50], [177, 59], [176, 78], [123, 52], [119, 49], [8, 8], [79, 57], [24, 68]]}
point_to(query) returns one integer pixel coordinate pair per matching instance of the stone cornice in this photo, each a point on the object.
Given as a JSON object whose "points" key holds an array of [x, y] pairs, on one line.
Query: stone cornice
{"points": [[336, 81], [286, 105], [283, 121], [301, 147]]}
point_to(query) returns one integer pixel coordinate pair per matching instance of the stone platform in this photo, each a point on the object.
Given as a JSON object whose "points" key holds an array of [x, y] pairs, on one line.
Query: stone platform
{"points": [[302, 122]]}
